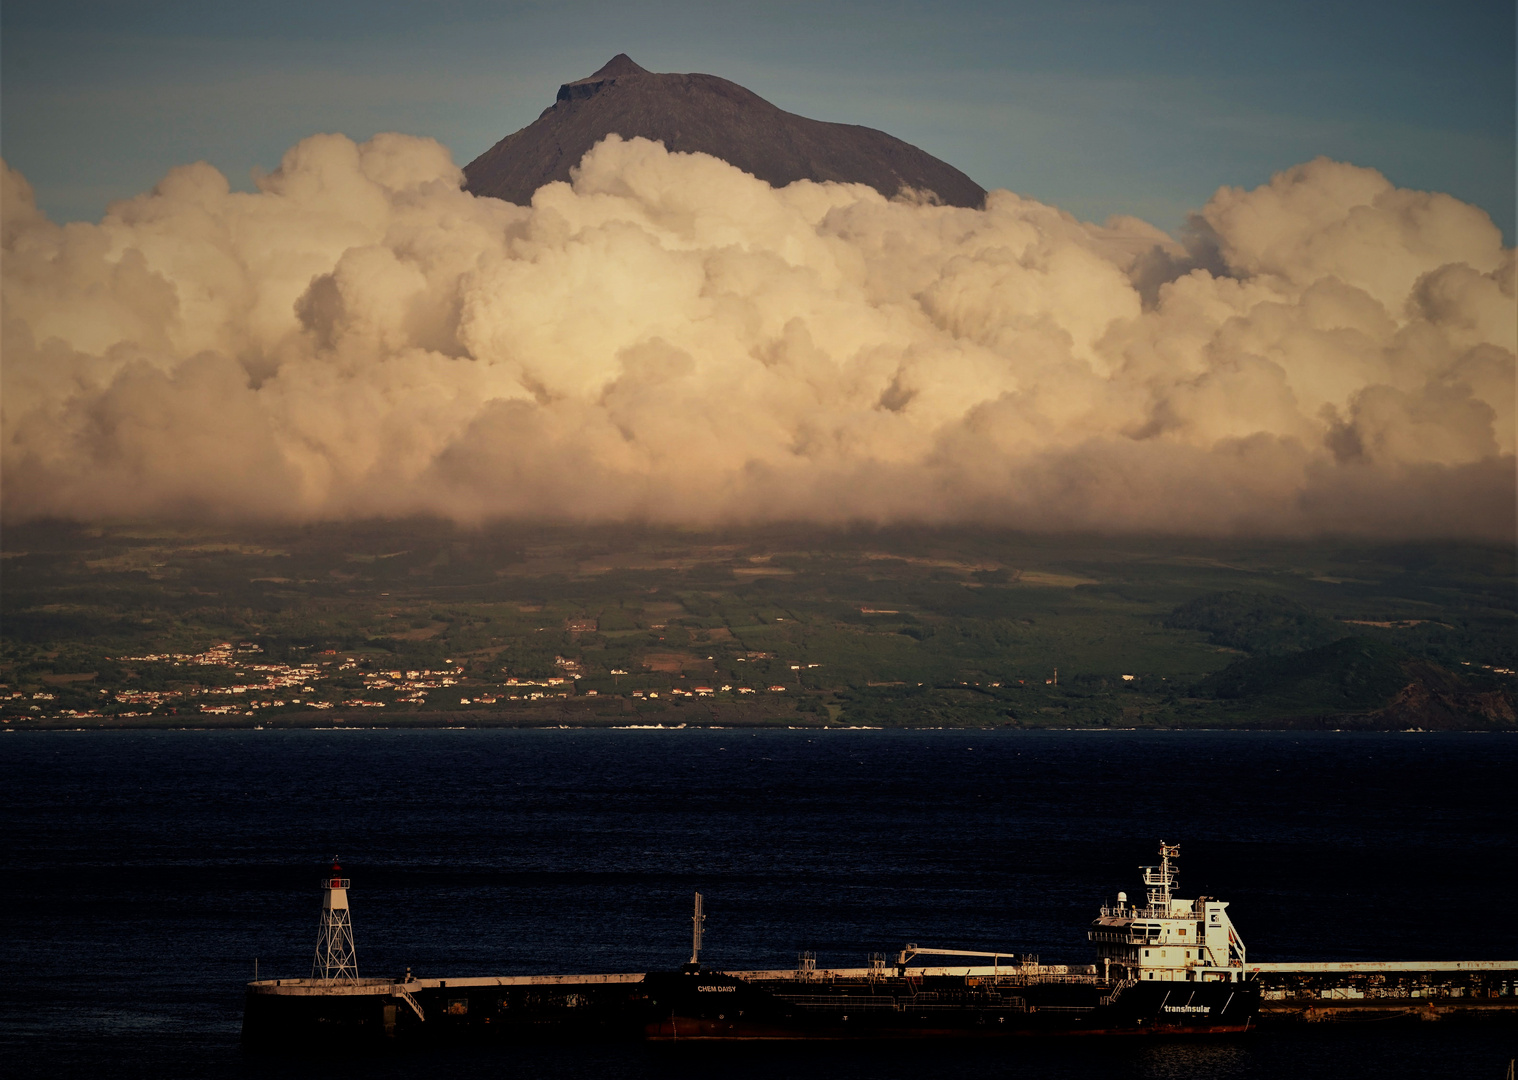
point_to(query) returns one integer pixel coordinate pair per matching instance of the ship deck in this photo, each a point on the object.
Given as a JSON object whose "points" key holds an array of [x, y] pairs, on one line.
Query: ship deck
{"points": [[364, 987]]}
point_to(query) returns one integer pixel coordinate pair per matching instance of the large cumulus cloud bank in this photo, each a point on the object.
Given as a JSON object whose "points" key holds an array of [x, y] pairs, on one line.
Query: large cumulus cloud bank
{"points": [[669, 339]]}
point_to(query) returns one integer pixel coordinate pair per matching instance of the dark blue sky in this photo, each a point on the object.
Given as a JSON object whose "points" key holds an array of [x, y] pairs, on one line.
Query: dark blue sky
{"points": [[1100, 108]]}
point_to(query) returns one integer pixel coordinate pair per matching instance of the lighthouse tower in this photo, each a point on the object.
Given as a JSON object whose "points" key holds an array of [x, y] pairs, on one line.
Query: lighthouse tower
{"points": [[335, 956]]}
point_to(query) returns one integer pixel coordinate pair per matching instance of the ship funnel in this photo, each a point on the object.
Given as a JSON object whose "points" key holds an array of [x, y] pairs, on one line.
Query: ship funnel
{"points": [[335, 955]]}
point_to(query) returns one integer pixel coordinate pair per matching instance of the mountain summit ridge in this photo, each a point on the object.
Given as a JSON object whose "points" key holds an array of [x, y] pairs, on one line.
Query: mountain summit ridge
{"points": [[694, 113], [621, 64]]}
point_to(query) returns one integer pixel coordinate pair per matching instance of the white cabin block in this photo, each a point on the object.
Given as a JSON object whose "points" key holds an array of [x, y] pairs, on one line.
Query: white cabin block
{"points": [[1168, 937]]}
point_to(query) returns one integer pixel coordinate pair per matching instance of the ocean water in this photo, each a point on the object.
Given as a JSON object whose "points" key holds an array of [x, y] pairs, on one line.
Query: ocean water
{"points": [[147, 873]]}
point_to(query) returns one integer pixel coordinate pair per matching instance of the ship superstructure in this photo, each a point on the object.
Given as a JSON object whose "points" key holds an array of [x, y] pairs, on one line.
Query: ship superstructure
{"points": [[1168, 938]]}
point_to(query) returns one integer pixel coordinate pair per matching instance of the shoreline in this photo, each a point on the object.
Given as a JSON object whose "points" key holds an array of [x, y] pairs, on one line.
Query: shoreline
{"points": [[429, 725]]}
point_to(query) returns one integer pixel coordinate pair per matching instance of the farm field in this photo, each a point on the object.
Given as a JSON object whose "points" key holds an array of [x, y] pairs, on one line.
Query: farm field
{"points": [[424, 623]]}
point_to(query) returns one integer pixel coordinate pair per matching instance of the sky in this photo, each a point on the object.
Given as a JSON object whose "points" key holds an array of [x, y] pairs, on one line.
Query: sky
{"points": [[1238, 274], [1098, 108]]}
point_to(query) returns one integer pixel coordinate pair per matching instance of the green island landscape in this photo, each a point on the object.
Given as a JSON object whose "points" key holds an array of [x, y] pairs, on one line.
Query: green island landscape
{"points": [[424, 623]]}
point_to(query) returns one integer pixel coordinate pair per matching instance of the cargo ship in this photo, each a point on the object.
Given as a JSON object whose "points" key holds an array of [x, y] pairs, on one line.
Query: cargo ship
{"points": [[1167, 966], [1170, 966]]}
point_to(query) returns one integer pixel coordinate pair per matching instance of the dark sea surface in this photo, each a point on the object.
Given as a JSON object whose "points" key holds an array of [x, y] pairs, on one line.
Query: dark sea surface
{"points": [[144, 873]]}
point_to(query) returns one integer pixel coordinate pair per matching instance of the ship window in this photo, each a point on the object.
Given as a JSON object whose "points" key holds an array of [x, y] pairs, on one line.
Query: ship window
{"points": [[457, 1006], [1146, 952]]}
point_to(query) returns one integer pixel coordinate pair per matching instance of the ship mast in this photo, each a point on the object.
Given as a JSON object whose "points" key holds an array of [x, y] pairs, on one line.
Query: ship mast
{"points": [[1162, 878], [697, 923], [335, 958]]}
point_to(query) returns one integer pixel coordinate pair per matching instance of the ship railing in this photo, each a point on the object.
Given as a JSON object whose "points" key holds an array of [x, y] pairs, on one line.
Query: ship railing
{"points": [[405, 995], [1134, 912], [1011, 976], [1117, 990], [829, 1001], [1014, 979]]}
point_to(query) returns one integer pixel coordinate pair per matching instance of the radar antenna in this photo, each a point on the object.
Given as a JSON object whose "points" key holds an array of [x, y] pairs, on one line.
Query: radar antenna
{"points": [[1161, 879]]}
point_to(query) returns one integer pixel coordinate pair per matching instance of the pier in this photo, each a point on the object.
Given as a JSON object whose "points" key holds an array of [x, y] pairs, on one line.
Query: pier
{"points": [[1385, 990]]}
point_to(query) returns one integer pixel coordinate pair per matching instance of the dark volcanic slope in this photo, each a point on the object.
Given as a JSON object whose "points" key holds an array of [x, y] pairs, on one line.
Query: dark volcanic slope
{"points": [[702, 113]]}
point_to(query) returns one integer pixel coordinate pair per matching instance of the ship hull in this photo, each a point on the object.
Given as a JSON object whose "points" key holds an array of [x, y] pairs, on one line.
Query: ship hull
{"points": [[714, 1007]]}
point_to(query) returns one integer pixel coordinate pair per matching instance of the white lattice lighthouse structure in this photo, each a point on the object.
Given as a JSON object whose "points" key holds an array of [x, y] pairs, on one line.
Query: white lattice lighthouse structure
{"points": [[335, 955]]}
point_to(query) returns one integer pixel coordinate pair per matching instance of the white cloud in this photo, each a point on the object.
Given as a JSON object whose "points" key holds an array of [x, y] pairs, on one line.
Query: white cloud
{"points": [[668, 338]]}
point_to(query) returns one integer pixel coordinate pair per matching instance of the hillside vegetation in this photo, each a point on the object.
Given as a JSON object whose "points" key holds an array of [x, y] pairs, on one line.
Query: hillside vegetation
{"points": [[421, 622]]}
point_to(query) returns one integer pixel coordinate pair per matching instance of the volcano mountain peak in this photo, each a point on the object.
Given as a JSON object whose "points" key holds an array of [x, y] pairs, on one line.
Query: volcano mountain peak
{"points": [[694, 113]]}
